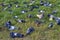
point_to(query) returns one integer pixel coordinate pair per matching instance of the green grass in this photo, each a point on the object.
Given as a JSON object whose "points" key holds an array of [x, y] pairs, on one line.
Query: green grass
{"points": [[41, 32]]}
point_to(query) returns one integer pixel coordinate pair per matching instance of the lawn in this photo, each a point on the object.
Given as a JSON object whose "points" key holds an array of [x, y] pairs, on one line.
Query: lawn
{"points": [[41, 32]]}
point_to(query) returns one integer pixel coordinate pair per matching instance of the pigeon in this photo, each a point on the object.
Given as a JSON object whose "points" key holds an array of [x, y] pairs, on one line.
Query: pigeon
{"points": [[21, 20], [50, 25], [30, 16], [58, 20], [40, 16], [29, 30], [9, 5], [51, 17], [15, 16], [12, 28], [8, 24], [16, 35], [41, 3], [24, 11]]}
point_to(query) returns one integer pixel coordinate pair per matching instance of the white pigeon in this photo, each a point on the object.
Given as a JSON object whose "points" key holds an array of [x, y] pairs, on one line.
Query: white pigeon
{"points": [[40, 16]]}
